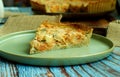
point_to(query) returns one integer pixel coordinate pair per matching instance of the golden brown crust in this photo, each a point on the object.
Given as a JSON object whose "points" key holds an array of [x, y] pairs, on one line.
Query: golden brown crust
{"points": [[73, 6]]}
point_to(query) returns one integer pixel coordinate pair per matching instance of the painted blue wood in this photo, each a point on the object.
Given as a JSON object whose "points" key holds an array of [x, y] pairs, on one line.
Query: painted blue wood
{"points": [[70, 71], [91, 71], [102, 68], [80, 71], [110, 58], [116, 56], [57, 72], [5, 69], [112, 65], [13, 71], [31, 71], [2, 69]]}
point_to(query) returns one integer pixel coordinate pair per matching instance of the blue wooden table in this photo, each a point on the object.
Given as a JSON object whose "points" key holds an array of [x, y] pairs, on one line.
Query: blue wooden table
{"points": [[108, 67]]}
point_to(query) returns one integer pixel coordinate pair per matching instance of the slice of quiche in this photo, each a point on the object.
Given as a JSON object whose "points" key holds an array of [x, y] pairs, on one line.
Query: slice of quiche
{"points": [[53, 36]]}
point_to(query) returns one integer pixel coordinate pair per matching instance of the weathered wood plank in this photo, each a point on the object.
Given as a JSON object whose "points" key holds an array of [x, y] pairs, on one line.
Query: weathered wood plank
{"points": [[112, 59], [91, 71], [31, 71], [13, 70], [112, 65], [102, 68], [7, 69], [57, 72], [116, 56], [80, 71], [71, 72], [110, 70]]}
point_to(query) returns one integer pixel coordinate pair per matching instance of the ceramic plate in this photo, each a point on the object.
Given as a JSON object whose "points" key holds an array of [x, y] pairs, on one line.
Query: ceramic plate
{"points": [[16, 46]]}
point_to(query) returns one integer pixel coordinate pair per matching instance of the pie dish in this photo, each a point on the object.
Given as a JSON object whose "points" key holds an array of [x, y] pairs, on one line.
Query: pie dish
{"points": [[73, 6]]}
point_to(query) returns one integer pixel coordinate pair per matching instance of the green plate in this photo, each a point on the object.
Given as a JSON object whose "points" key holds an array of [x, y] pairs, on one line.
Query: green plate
{"points": [[16, 46]]}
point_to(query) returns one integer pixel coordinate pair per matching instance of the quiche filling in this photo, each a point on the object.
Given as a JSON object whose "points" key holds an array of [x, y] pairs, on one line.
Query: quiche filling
{"points": [[50, 36]]}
